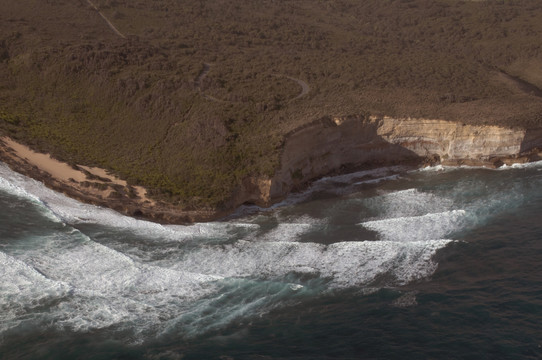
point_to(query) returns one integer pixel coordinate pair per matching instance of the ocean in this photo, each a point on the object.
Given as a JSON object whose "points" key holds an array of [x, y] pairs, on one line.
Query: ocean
{"points": [[437, 263]]}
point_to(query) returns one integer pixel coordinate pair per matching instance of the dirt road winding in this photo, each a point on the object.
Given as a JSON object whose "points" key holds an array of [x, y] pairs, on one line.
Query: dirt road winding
{"points": [[109, 23]]}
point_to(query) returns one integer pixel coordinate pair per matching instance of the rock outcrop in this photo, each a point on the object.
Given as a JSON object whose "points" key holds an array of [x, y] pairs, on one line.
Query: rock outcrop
{"points": [[452, 142], [339, 144], [329, 145]]}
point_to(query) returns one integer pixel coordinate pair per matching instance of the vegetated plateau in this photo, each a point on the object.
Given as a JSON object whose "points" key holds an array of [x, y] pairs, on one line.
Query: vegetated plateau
{"points": [[191, 98]]}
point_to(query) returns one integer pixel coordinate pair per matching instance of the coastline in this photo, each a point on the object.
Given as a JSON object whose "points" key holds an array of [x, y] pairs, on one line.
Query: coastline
{"points": [[325, 147], [95, 186]]}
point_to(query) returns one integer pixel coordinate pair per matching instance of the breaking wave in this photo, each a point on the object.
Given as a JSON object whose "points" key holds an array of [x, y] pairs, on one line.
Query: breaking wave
{"points": [[89, 268]]}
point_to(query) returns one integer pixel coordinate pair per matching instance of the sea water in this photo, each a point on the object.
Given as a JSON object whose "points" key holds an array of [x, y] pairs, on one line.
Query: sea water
{"points": [[439, 263]]}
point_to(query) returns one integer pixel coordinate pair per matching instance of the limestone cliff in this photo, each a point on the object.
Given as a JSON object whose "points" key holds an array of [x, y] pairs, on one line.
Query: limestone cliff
{"points": [[452, 142], [329, 145], [337, 144]]}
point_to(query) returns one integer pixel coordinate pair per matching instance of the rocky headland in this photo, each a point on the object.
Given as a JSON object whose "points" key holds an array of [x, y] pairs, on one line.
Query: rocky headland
{"points": [[183, 111], [327, 146]]}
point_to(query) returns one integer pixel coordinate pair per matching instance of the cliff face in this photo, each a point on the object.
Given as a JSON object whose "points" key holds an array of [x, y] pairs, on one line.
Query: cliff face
{"points": [[452, 142], [323, 147], [332, 145]]}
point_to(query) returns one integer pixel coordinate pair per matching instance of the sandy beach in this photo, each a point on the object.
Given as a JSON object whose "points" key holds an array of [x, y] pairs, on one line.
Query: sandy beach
{"points": [[96, 186], [91, 181]]}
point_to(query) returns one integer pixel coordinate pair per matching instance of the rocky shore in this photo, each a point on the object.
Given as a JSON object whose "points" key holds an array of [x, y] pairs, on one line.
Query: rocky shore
{"points": [[333, 145], [330, 145]]}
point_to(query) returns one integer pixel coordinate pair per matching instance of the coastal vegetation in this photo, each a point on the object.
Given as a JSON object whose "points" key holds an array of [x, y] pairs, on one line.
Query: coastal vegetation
{"points": [[199, 95]]}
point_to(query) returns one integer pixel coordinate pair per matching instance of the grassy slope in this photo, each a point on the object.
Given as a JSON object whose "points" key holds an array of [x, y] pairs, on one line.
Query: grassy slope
{"points": [[137, 106]]}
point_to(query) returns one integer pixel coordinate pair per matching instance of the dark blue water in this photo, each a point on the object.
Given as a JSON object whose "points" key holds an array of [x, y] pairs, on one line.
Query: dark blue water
{"points": [[436, 264]]}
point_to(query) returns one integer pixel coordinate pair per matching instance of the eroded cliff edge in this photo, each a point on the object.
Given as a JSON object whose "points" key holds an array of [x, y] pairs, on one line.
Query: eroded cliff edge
{"points": [[330, 145], [339, 144]]}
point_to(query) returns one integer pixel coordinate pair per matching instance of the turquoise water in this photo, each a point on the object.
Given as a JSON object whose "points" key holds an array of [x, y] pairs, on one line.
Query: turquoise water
{"points": [[441, 263]]}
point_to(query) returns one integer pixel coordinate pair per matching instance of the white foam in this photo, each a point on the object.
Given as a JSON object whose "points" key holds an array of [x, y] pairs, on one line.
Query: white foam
{"points": [[106, 286], [378, 180], [367, 264], [432, 168], [438, 168], [415, 228], [412, 215], [355, 177], [100, 287], [345, 264], [22, 288], [529, 165], [286, 232], [409, 202], [447, 168], [97, 286], [289, 229], [20, 192], [61, 208], [13, 189], [110, 289]]}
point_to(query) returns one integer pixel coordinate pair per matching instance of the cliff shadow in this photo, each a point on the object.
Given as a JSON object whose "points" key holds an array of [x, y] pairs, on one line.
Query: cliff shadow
{"points": [[531, 141], [333, 146]]}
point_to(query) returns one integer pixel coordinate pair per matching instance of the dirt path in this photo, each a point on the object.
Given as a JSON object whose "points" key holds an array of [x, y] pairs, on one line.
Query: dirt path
{"points": [[203, 74], [199, 79], [106, 20], [522, 85], [305, 88]]}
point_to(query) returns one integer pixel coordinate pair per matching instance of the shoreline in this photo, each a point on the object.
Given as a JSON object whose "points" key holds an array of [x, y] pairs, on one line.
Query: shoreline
{"points": [[95, 186], [323, 148]]}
